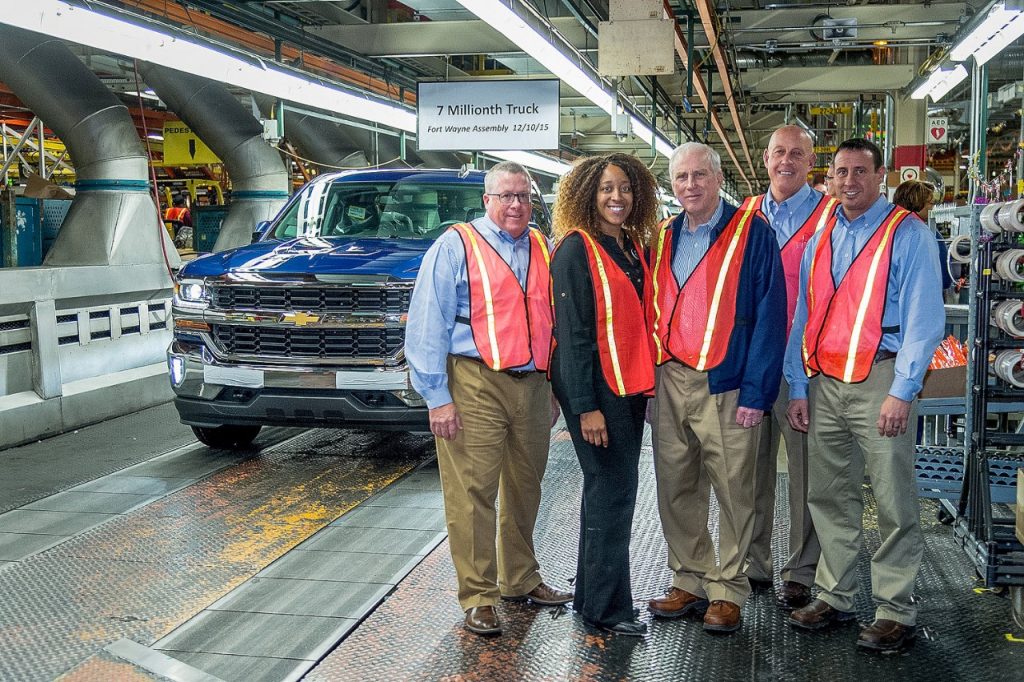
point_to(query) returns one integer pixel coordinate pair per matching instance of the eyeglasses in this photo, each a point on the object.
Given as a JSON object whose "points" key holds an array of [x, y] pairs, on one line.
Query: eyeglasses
{"points": [[506, 198]]}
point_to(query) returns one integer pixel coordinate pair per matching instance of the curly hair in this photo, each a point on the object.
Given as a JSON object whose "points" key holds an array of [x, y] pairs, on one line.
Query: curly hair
{"points": [[576, 204]]}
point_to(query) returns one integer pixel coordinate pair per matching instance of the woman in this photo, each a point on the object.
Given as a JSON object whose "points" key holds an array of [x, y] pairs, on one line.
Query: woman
{"points": [[919, 197], [602, 366]]}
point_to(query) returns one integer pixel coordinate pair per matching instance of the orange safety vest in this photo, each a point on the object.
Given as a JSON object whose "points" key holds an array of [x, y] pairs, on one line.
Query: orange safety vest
{"points": [[623, 336], [793, 249], [844, 323], [175, 213], [693, 324], [510, 326]]}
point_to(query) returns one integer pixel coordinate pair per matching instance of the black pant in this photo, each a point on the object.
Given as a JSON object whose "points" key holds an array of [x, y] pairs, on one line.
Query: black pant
{"points": [[603, 592]]}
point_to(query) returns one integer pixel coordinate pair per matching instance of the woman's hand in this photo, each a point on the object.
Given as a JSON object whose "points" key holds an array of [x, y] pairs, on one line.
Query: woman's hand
{"points": [[594, 429]]}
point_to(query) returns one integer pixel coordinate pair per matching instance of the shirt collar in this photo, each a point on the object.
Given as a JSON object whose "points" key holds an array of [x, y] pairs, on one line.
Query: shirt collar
{"points": [[871, 217], [801, 195], [703, 227]]}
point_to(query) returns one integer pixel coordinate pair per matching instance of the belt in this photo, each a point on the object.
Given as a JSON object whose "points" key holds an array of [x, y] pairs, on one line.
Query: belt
{"points": [[883, 355], [515, 374]]}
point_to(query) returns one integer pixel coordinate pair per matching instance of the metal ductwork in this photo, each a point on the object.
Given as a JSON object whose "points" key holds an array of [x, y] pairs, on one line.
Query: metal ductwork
{"points": [[333, 145], [259, 179], [112, 220]]}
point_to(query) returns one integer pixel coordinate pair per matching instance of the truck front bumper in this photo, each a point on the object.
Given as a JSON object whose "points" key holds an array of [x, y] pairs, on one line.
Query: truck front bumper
{"points": [[210, 394]]}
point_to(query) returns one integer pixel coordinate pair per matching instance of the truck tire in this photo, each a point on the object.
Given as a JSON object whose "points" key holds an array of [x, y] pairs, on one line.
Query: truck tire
{"points": [[226, 437]]}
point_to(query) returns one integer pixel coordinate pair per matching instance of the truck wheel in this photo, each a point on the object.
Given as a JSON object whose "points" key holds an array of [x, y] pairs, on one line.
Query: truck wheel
{"points": [[226, 437]]}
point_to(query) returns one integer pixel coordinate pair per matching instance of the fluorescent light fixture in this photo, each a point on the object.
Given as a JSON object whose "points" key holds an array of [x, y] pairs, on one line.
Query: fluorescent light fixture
{"points": [[940, 82], [1001, 27], [156, 136], [545, 164], [503, 19], [81, 25]]}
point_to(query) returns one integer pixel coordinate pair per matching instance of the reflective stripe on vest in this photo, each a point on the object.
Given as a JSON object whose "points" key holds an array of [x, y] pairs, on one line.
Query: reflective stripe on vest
{"points": [[793, 250], [700, 337], [621, 322], [844, 323], [510, 326]]}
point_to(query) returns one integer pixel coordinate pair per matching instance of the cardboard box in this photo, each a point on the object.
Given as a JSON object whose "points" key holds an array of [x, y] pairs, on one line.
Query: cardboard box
{"points": [[949, 382], [1020, 505]]}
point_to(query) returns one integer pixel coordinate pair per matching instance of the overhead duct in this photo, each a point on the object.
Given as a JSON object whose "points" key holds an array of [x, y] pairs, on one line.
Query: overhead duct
{"points": [[333, 145], [259, 179], [112, 220]]}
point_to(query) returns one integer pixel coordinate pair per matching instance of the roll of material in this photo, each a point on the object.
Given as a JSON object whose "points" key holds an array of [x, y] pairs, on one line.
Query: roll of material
{"points": [[960, 249], [1007, 366], [1009, 265], [1008, 317], [1009, 216], [989, 218]]}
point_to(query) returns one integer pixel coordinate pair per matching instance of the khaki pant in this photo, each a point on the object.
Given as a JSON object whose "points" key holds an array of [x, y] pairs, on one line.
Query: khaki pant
{"points": [[803, 541], [500, 454], [697, 441], [843, 443]]}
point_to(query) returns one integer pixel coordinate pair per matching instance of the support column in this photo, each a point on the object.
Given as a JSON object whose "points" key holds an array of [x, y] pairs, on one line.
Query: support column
{"points": [[909, 142], [46, 376]]}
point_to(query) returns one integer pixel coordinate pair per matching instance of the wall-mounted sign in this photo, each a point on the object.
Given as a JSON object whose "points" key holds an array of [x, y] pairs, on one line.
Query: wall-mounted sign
{"points": [[825, 149], [487, 115], [937, 129], [830, 111], [183, 148], [910, 173]]}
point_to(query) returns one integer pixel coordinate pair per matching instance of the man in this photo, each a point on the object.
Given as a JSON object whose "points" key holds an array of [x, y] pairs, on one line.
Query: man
{"points": [[477, 348], [720, 303], [868, 319], [795, 212]]}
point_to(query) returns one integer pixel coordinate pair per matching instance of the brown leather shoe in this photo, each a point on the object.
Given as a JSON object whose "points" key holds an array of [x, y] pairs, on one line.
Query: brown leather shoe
{"points": [[722, 616], [676, 603], [819, 615], [886, 636], [793, 595], [544, 595], [483, 620]]}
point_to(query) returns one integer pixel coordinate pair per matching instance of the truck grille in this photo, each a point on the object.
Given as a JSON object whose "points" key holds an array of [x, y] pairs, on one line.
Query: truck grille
{"points": [[339, 299], [271, 342]]}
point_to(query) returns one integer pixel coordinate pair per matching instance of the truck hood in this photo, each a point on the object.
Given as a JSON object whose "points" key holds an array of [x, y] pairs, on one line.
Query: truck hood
{"points": [[397, 258]]}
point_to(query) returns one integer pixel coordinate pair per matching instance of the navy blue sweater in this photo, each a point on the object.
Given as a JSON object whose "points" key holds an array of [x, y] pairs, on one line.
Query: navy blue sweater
{"points": [[753, 362]]}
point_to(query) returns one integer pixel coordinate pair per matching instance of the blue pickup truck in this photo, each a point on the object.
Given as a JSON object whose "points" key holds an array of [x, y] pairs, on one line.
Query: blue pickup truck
{"points": [[306, 325]]}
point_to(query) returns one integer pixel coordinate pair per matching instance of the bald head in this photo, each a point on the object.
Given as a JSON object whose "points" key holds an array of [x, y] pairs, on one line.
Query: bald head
{"points": [[789, 159]]}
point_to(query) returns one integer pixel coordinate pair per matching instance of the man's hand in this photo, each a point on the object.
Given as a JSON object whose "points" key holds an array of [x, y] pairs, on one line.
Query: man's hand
{"points": [[893, 417], [799, 414], [445, 421], [554, 411], [595, 431], [748, 417]]}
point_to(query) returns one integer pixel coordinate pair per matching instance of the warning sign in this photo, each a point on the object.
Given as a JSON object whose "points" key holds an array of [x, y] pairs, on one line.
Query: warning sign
{"points": [[182, 147]]}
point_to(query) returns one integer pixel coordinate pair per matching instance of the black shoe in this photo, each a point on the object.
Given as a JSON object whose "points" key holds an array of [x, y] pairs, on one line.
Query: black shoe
{"points": [[627, 628]]}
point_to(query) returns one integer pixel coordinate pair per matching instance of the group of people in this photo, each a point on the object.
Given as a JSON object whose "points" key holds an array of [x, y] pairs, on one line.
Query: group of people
{"points": [[796, 315]]}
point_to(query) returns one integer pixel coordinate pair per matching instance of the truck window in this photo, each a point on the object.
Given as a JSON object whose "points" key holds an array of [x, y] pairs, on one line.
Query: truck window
{"points": [[410, 209]]}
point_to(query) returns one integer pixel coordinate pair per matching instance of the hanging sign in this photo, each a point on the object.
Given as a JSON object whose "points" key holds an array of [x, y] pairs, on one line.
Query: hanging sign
{"points": [[830, 111], [182, 147], [487, 115], [937, 130]]}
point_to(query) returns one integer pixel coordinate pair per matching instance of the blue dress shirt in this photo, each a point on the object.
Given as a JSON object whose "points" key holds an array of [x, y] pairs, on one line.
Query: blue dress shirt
{"points": [[913, 297], [786, 217], [442, 294], [691, 246]]}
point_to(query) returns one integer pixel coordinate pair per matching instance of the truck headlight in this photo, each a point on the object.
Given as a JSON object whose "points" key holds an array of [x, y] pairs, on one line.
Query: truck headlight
{"points": [[191, 291]]}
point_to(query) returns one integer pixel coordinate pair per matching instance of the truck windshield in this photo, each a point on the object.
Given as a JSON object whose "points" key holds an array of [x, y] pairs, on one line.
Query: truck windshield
{"points": [[412, 209]]}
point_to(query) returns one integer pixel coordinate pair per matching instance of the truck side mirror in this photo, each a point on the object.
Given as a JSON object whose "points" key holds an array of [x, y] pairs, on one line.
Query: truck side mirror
{"points": [[260, 230]]}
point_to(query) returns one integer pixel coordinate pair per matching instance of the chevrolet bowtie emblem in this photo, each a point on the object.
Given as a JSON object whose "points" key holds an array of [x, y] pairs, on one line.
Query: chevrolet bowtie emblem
{"points": [[300, 319]]}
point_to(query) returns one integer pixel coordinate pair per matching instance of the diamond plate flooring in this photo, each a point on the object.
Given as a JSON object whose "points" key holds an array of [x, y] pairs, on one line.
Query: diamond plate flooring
{"points": [[416, 634]]}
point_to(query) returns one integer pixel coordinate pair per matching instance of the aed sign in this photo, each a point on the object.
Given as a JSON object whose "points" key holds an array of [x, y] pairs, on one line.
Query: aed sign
{"points": [[937, 129], [182, 147], [487, 115]]}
